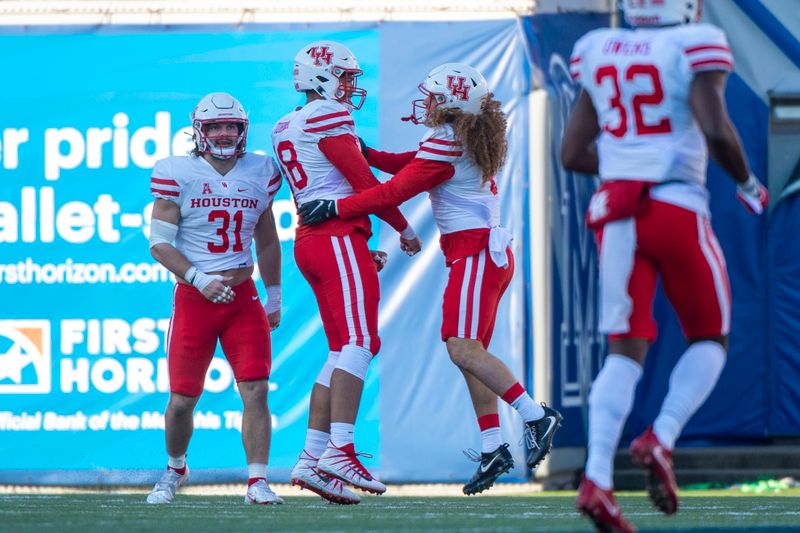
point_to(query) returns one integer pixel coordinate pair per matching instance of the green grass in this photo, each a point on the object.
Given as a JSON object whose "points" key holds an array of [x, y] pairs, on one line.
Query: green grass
{"points": [[551, 512]]}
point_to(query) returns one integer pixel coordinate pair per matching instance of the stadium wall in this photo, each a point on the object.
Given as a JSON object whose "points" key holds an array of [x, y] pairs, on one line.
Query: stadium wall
{"points": [[757, 396]]}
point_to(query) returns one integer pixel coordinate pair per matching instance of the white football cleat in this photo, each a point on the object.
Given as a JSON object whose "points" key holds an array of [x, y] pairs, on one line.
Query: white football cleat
{"points": [[166, 487], [306, 476], [260, 493], [343, 463]]}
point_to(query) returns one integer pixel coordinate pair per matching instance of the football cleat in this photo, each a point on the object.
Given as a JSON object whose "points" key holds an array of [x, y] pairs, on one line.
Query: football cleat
{"points": [[491, 466], [647, 452], [306, 476], [166, 487], [343, 464], [600, 506], [539, 435], [260, 493]]}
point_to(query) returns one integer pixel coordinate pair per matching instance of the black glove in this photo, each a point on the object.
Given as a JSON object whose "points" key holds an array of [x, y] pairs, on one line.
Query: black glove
{"points": [[317, 212], [364, 149]]}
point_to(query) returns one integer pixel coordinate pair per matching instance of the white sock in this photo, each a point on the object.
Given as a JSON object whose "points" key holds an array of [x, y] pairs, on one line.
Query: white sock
{"points": [[257, 470], [692, 380], [316, 441], [490, 440], [176, 463], [341, 434], [527, 408], [610, 403]]}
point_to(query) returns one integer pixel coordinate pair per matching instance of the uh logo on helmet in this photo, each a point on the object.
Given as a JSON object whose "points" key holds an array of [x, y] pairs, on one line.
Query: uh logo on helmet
{"points": [[450, 86], [217, 108], [661, 12], [331, 70]]}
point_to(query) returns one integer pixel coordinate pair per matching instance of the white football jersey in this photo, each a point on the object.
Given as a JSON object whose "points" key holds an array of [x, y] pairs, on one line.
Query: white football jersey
{"points": [[639, 83], [295, 140], [218, 213], [463, 202]]}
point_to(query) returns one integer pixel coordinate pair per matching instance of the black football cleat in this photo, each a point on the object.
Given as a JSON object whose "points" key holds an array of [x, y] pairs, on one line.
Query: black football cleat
{"points": [[539, 435], [491, 466]]}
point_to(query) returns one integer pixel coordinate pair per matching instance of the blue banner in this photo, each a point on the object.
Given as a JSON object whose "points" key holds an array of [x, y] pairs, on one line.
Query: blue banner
{"points": [[82, 328]]}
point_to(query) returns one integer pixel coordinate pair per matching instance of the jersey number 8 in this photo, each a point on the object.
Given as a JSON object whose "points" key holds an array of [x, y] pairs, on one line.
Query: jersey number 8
{"points": [[291, 166]]}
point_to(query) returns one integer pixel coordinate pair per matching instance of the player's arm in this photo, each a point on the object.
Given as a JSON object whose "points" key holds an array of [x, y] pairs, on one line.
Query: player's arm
{"points": [[343, 153], [418, 176], [578, 149], [163, 229], [268, 255], [388, 162]]}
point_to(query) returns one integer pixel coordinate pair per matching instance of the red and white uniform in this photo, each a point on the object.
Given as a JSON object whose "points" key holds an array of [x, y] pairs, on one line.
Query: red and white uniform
{"points": [[318, 151], [467, 212], [639, 82], [215, 232]]}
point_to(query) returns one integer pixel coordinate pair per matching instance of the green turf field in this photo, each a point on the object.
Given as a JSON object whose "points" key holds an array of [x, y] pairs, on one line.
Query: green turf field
{"points": [[84, 513]]}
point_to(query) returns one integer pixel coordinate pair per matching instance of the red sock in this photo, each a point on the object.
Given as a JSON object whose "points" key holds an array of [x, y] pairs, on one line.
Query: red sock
{"points": [[255, 480], [180, 471]]}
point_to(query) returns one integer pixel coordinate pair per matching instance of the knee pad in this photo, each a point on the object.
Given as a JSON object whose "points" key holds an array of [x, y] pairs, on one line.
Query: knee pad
{"points": [[354, 360], [324, 377]]}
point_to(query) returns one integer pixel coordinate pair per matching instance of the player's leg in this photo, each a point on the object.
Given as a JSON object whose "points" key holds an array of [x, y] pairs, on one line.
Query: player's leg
{"points": [[694, 277], [247, 346], [471, 298], [305, 473], [352, 291], [191, 342], [627, 289], [494, 459]]}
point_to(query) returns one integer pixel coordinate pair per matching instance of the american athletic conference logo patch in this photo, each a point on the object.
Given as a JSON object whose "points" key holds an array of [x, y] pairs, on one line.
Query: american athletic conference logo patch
{"points": [[25, 361]]}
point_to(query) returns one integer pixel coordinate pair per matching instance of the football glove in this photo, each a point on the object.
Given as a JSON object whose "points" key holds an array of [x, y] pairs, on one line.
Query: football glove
{"points": [[317, 211], [753, 195]]}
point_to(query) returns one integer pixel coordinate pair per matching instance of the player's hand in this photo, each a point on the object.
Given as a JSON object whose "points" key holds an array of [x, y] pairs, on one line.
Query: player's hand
{"points": [[379, 258], [217, 291], [753, 195], [274, 319], [317, 211], [411, 246]]}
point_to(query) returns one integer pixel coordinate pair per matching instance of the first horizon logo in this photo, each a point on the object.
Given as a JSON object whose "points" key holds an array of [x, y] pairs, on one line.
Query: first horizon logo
{"points": [[25, 360]]}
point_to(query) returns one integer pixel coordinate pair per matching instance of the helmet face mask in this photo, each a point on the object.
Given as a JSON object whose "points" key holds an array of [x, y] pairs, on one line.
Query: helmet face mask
{"points": [[661, 12], [450, 86], [329, 69], [221, 109]]}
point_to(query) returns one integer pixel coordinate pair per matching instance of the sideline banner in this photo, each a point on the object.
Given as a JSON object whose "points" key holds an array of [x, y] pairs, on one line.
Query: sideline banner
{"points": [[85, 308]]}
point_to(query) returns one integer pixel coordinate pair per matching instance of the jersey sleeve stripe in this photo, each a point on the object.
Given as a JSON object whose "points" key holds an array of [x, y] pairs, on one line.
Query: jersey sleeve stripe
{"points": [[330, 126], [327, 117], [441, 141], [575, 75], [164, 192], [574, 60], [706, 47], [450, 153], [273, 181], [161, 181], [711, 64]]}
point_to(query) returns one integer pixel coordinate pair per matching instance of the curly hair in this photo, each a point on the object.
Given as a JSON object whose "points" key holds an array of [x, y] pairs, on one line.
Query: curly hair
{"points": [[483, 134]]}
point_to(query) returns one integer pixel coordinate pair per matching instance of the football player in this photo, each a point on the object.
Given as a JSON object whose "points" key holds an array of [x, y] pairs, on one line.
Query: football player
{"points": [[457, 160], [651, 109], [318, 151], [209, 206]]}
